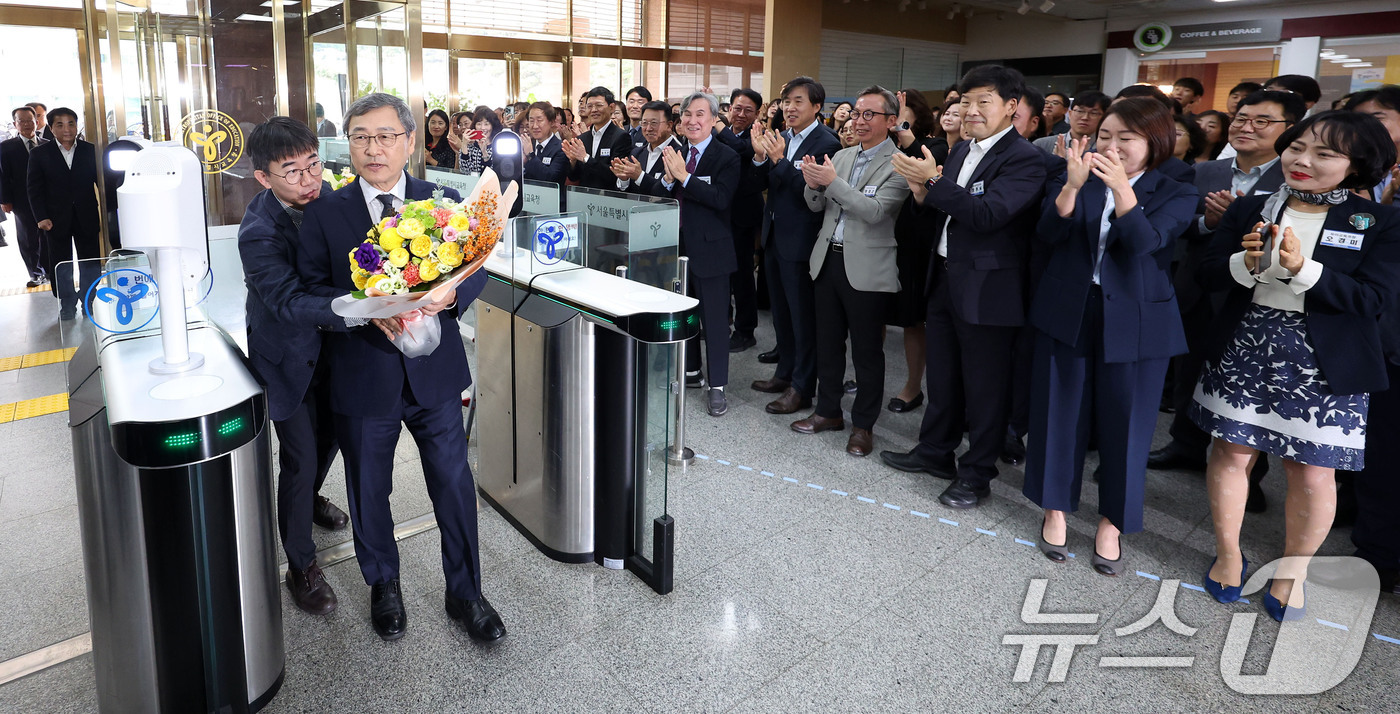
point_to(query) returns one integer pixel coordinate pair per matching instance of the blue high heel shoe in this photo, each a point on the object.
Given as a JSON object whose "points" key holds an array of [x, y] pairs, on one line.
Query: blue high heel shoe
{"points": [[1226, 593], [1281, 612]]}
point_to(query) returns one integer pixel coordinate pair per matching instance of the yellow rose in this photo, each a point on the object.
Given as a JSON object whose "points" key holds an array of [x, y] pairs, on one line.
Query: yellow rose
{"points": [[410, 228], [428, 271], [459, 222], [372, 280], [359, 279], [383, 223], [389, 239], [398, 257], [423, 205], [421, 246], [450, 254]]}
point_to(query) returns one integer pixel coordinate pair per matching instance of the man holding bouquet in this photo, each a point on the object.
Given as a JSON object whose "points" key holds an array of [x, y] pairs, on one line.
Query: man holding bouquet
{"points": [[375, 388]]}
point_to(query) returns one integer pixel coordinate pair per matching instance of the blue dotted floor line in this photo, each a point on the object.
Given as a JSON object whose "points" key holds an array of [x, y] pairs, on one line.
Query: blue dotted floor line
{"points": [[983, 531]]}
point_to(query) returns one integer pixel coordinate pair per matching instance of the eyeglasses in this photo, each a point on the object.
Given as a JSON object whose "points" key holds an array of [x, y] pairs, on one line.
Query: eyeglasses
{"points": [[869, 115], [295, 176], [1260, 123], [361, 141], [1092, 113], [651, 123]]}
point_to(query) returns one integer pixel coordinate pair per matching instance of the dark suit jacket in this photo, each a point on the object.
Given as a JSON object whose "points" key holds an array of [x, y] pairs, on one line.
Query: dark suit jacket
{"points": [[549, 165], [14, 174], [1211, 176], [1140, 316], [68, 197], [367, 372], [596, 172], [653, 177], [1178, 170], [1342, 311], [989, 235], [285, 315], [789, 226], [747, 210], [706, 232]]}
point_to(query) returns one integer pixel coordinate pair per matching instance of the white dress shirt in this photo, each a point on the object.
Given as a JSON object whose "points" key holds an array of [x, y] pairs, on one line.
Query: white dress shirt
{"points": [[793, 142], [1106, 223], [653, 155], [1275, 287], [68, 153], [372, 194], [700, 153], [597, 140], [975, 152]]}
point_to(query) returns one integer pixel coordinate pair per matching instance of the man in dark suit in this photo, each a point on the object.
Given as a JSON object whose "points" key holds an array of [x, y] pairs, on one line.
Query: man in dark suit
{"points": [[748, 215], [789, 232], [378, 389], [637, 98], [41, 114], [285, 320], [14, 191], [1260, 119], [989, 196], [591, 153], [63, 196], [643, 169], [544, 152], [703, 179]]}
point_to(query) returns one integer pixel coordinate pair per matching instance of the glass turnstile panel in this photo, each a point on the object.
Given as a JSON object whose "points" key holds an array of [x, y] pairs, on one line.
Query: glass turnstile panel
{"points": [[640, 232], [658, 364], [118, 296]]}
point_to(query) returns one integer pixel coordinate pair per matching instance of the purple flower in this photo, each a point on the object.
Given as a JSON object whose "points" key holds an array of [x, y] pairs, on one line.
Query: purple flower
{"points": [[367, 257]]}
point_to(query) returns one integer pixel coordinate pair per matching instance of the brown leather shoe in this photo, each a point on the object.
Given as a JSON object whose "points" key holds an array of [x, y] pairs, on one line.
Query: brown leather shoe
{"points": [[310, 591], [326, 515], [790, 403], [860, 443], [816, 424], [771, 386]]}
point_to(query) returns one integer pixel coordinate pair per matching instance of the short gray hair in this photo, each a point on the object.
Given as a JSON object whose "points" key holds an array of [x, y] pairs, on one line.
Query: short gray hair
{"points": [[371, 102], [707, 97], [891, 101]]}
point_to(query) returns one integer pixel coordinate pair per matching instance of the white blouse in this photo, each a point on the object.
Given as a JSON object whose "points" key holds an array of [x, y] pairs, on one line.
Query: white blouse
{"points": [[1275, 287]]}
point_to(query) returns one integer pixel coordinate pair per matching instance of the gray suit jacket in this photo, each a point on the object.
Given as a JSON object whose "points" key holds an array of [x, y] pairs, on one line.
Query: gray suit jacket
{"points": [[1047, 143], [868, 238]]}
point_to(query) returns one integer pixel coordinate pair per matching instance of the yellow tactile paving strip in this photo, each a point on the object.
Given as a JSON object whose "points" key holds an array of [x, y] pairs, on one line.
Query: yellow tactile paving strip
{"points": [[38, 406], [36, 359], [9, 292]]}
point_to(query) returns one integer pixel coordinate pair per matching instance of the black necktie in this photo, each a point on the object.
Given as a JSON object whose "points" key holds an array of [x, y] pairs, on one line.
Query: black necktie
{"points": [[388, 200]]}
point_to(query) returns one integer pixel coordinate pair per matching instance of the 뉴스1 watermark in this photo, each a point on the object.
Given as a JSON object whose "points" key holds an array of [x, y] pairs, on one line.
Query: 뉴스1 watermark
{"points": [[1311, 654]]}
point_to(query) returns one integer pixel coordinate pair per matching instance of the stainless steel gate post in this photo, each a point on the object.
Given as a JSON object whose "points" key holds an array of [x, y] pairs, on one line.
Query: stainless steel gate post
{"points": [[678, 454]]}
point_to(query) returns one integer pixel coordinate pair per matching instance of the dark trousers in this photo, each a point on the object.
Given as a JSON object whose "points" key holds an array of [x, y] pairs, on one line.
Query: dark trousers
{"points": [[30, 243], [842, 310], [1377, 530], [57, 246], [1187, 369], [967, 366], [794, 308], [306, 448], [368, 447], [713, 294], [741, 283], [1075, 391], [1019, 420]]}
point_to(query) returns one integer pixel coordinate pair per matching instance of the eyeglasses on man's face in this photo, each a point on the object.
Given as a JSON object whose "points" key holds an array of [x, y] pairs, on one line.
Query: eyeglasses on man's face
{"points": [[361, 141], [1260, 123], [1091, 113], [869, 115], [295, 176]]}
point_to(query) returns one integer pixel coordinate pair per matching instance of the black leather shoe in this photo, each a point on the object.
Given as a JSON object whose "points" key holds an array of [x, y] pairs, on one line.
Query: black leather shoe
{"points": [[740, 342], [310, 591], [913, 463], [477, 617], [769, 357], [326, 515], [849, 387], [1176, 456], [1013, 450], [899, 406], [386, 611], [961, 494]]}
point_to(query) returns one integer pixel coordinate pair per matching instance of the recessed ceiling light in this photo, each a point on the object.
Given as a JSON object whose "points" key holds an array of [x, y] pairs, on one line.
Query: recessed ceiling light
{"points": [[1357, 64]]}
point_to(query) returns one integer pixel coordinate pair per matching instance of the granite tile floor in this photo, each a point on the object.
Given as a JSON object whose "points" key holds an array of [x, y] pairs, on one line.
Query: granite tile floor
{"points": [[806, 580]]}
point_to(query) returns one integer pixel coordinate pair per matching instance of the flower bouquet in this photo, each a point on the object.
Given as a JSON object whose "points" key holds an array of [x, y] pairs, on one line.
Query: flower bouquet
{"points": [[337, 181], [420, 255]]}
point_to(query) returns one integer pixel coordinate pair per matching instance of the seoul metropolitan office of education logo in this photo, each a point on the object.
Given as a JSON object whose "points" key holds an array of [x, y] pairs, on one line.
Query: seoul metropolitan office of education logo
{"points": [[215, 138]]}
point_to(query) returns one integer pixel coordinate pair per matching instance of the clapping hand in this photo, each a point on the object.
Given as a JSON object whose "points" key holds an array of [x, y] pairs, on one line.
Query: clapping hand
{"points": [[675, 165], [1109, 168], [454, 141], [627, 168], [758, 137], [1388, 195], [1077, 164], [1253, 245], [1290, 252], [527, 146], [1216, 203], [575, 150], [818, 174], [916, 171], [774, 145]]}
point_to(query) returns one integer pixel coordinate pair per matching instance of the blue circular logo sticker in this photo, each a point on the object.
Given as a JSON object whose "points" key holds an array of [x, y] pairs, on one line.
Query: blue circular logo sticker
{"points": [[551, 241], [112, 300]]}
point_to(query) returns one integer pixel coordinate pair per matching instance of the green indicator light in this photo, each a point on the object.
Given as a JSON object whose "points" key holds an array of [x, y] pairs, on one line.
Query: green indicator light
{"points": [[178, 441], [233, 425], [690, 319], [670, 324]]}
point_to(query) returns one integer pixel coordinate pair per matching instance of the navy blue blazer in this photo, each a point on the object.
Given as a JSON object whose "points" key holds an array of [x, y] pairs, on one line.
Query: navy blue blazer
{"points": [[788, 224], [367, 372], [989, 234], [1140, 315], [1210, 177], [1342, 311], [706, 233], [549, 165], [747, 210], [285, 315], [596, 172]]}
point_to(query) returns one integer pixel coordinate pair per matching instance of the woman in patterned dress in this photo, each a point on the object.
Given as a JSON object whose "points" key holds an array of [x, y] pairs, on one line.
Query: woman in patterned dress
{"points": [[1297, 348]]}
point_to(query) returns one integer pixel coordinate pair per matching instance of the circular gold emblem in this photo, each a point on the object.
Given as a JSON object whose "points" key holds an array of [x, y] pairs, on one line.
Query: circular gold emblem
{"points": [[215, 138]]}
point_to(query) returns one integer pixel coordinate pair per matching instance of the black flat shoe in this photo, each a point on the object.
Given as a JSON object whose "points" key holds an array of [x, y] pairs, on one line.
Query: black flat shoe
{"points": [[769, 357], [1056, 553], [386, 610], [1104, 566], [899, 406], [477, 617]]}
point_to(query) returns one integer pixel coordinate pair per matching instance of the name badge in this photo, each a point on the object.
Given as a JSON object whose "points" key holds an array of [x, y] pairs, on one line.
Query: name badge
{"points": [[657, 176], [546, 160], [605, 152], [706, 179], [1262, 192], [638, 144], [797, 164], [978, 188], [1341, 239], [870, 190]]}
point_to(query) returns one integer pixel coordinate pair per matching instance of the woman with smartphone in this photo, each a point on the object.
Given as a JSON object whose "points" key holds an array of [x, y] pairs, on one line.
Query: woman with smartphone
{"points": [[438, 147], [475, 154], [1296, 349]]}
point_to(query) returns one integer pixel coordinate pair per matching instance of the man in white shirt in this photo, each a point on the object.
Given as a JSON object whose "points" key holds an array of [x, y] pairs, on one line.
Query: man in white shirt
{"points": [[62, 195], [14, 194]]}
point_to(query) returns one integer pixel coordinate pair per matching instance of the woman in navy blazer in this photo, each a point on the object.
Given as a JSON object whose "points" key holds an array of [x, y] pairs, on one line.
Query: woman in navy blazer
{"points": [[1297, 347], [1107, 324]]}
